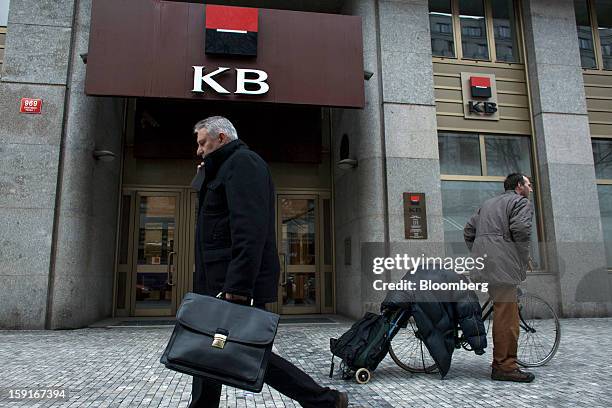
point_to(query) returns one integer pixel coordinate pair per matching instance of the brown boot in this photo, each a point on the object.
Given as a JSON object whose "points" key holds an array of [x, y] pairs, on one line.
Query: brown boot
{"points": [[515, 375], [342, 401]]}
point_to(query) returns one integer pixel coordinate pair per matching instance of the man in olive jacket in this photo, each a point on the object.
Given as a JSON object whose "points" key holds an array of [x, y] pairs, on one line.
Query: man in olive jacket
{"points": [[500, 232], [236, 250]]}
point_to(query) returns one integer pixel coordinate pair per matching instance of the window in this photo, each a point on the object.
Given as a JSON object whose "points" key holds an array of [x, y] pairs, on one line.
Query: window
{"points": [[4, 6], [507, 154], [473, 29], [594, 27], [603, 11], [473, 168], [602, 156], [459, 154], [470, 154], [441, 24], [604, 192], [472, 23], [503, 23]]}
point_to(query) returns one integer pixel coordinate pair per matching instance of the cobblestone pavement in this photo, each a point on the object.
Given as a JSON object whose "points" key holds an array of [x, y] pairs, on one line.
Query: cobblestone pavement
{"points": [[120, 367]]}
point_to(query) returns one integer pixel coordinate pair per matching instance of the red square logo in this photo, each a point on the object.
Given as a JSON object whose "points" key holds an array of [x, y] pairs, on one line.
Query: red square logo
{"points": [[481, 82], [480, 87]]}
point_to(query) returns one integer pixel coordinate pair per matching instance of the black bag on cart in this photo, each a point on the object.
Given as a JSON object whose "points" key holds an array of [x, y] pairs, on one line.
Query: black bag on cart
{"points": [[364, 345]]}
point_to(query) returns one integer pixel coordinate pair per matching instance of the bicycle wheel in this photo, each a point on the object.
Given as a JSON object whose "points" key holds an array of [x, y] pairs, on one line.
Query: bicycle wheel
{"points": [[409, 352], [540, 331]]}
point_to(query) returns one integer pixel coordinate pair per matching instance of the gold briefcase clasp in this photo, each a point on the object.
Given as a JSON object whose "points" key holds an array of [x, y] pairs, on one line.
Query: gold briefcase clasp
{"points": [[219, 340]]}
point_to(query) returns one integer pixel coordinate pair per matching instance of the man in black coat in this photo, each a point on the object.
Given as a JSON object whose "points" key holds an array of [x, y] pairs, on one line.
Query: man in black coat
{"points": [[236, 250]]}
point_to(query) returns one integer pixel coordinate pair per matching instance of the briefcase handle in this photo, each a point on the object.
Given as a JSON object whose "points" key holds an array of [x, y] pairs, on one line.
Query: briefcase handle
{"points": [[221, 295]]}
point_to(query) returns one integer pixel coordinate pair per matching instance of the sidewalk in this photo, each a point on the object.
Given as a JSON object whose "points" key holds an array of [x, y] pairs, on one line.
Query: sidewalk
{"points": [[119, 367]]}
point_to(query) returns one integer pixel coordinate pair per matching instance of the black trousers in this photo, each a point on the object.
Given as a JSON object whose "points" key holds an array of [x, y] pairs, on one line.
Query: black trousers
{"points": [[280, 375]]}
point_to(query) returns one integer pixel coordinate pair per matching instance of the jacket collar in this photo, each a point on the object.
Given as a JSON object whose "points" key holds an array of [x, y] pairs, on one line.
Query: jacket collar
{"points": [[214, 160]]}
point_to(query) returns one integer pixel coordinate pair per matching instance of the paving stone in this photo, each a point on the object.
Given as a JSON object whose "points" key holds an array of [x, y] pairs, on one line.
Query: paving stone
{"points": [[120, 368]]}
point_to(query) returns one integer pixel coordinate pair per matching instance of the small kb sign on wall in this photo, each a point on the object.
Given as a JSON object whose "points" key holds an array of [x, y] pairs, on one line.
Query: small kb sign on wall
{"points": [[415, 216], [479, 96], [29, 105]]}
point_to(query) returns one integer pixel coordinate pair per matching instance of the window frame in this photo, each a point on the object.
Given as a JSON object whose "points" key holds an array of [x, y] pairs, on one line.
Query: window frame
{"points": [[486, 178], [599, 66], [2, 46], [488, 12], [603, 182]]}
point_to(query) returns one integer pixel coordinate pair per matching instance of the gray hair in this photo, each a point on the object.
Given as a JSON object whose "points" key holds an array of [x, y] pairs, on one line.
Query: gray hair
{"points": [[215, 125]]}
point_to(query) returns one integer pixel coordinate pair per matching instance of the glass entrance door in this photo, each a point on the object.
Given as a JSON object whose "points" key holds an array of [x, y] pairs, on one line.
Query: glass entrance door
{"points": [[155, 262], [156, 245], [298, 246], [155, 265]]}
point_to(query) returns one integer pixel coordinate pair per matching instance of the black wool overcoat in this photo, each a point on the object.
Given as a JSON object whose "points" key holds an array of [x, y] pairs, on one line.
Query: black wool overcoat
{"points": [[235, 231]]}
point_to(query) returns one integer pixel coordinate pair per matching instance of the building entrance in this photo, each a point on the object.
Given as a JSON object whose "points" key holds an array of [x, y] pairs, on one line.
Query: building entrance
{"points": [[156, 240], [305, 246], [156, 261], [156, 254]]}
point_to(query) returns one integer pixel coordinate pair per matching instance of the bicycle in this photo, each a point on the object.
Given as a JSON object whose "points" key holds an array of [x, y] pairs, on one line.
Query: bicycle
{"points": [[539, 338]]}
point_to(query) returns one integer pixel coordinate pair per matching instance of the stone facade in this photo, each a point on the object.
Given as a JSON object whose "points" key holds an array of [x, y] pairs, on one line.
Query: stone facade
{"points": [[59, 206]]}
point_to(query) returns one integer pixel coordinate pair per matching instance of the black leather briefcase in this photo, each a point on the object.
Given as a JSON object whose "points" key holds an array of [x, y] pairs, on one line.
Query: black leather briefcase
{"points": [[223, 341]]}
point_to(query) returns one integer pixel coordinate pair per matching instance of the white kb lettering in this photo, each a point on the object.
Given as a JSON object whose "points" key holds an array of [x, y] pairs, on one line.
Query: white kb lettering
{"points": [[242, 80], [199, 78], [257, 78]]}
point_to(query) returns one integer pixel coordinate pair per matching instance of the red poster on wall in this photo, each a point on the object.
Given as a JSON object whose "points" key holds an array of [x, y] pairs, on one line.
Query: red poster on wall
{"points": [[29, 105]]}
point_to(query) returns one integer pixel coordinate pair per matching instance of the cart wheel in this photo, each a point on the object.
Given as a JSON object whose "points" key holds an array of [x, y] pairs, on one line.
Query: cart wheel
{"points": [[362, 376]]}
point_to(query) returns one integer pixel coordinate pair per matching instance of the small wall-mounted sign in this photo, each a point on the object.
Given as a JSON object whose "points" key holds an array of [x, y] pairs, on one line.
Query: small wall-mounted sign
{"points": [[479, 96], [29, 105], [415, 216]]}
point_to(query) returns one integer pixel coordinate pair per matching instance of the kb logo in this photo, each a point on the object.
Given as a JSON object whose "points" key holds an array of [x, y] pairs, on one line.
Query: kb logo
{"points": [[479, 92], [487, 108], [255, 79]]}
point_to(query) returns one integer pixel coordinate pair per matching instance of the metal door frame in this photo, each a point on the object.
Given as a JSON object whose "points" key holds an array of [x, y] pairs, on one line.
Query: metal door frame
{"points": [[288, 310], [184, 234], [185, 246]]}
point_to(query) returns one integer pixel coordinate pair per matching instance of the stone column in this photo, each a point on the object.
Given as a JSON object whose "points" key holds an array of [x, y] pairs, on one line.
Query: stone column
{"points": [[36, 66], [359, 193], [394, 140], [572, 223], [87, 212], [410, 129], [58, 206]]}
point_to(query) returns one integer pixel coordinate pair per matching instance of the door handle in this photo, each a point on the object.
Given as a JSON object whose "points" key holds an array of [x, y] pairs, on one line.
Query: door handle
{"points": [[170, 274], [284, 282]]}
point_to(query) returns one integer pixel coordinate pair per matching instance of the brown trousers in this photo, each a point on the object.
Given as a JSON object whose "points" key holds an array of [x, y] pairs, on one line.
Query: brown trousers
{"points": [[505, 327]]}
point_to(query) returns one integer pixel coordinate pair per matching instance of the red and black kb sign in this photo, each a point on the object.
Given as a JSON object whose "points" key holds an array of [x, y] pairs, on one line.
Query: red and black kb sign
{"points": [[231, 30], [480, 86]]}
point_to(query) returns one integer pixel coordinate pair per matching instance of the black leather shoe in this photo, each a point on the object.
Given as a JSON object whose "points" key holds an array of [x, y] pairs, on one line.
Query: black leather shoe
{"points": [[515, 375], [342, 401]]}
